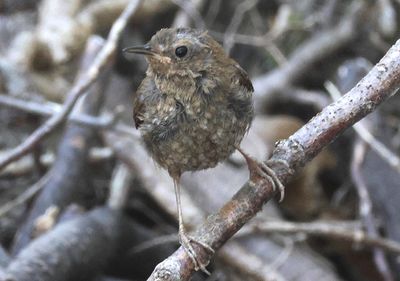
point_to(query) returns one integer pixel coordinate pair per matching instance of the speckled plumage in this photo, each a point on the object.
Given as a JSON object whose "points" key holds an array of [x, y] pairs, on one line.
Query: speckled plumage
{"points": [[193, 111]]}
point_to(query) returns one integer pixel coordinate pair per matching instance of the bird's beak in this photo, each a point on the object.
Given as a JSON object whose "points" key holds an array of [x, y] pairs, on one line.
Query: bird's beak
{"points": [[148, 51], [143, 50]]}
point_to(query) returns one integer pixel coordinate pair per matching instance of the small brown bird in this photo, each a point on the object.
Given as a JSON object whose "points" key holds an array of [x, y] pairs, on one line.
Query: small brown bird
{"points": [[192, 108]]}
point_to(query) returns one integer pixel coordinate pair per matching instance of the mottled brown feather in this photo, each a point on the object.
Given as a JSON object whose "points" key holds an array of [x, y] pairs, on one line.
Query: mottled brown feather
{"points": [[138, 110], [244, 79]]}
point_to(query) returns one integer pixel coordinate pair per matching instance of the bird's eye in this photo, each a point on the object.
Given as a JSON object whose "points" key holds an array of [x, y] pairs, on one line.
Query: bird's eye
{"points": [[181, 51]]}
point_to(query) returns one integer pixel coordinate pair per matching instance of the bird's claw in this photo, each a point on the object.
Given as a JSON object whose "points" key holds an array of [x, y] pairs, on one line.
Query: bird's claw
{"points": [[186, 242], [263, 170], [273, 178]]}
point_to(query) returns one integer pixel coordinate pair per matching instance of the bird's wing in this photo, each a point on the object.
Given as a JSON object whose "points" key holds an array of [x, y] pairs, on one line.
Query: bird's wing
{"points": [[143, 93], [244, 79], [138, 109], [240, 95]]}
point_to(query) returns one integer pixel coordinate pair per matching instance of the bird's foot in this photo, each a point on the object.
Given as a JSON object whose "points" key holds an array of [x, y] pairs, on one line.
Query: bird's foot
{"points": [[186, 242], [261, 169], [271, 176]]}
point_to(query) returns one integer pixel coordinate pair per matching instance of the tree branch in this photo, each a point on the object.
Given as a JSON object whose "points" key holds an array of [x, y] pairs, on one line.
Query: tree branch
{"points": [[329, 229], [378, 85]]}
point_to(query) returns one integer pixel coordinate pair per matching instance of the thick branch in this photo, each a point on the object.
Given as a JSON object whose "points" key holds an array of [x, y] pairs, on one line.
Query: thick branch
{"points": [[379, 84], [58, 254]]}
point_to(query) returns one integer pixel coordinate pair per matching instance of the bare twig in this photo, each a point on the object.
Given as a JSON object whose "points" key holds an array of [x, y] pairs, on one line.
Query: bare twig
{"points": [[249, 264], [189, 8], [245, 39], [26, 164], [108, 122], [50, 109], [24, 196], [79, 88], [237, 18], [338, 230], [119, 187], [318, 100], [306, 56], [160, 240], [213, 9], [365, 206], [391, 158], [377, 86], [230, 37], [348, 75]]}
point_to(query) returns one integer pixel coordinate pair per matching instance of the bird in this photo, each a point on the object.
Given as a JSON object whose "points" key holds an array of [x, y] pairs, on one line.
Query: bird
{"points": [[193, 108]]}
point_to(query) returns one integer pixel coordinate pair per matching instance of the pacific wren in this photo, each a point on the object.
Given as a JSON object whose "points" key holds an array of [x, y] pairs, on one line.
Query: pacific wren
{"points": [[192, 108]]}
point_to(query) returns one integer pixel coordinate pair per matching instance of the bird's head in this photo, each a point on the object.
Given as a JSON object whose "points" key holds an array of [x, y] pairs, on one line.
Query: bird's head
{"points": [[180, 51]]}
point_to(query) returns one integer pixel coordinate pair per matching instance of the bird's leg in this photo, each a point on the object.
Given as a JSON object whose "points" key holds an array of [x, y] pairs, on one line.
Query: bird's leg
{"points": [[263, 170], [184, 239]]}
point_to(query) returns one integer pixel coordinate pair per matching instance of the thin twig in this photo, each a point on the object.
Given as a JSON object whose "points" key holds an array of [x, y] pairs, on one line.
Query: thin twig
{"points": [[160, 240], [365, 206], [332, 230], [189, 8], [306, 56], [246, 39], [24, 196], [237, 18], [26, 164], [348, 75], [107, 122], [230, 37], [119, 187], [78, 90], [49, 109], [391, 158], [249, 264], [213, 10]]}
